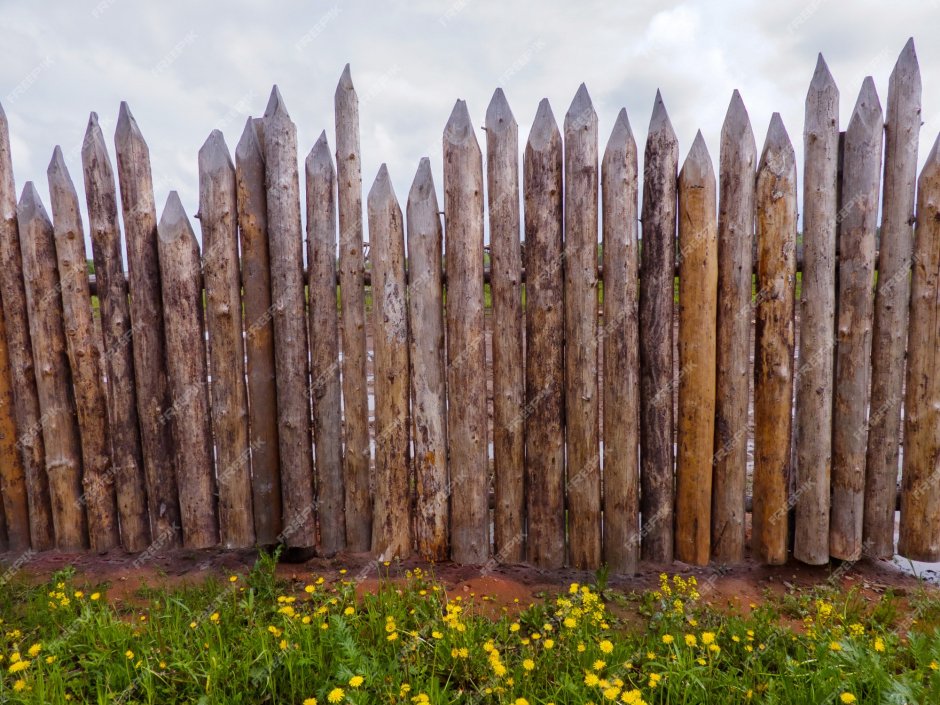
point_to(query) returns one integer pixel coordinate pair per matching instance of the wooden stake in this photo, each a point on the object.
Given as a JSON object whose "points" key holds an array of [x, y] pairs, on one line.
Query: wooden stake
{"points": [[14, 505]]}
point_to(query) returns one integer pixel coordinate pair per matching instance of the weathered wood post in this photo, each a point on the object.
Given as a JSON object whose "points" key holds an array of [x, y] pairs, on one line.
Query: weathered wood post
{"points": [[502, 176], [130, 482], [698, 309], [29, 439], [620, 339], [859, 215], [657, 292], [149, 343], [352, 300], [814, 373], [919, 537], [466, 381], [252, 207], [391, 527], [285, 247], [426, 354], [889, 342], [98, 497], [773, 353], [545, 331], [53, 379], [736, 172], [323, 332], [223, 313], [181, 284], [15, 504]]}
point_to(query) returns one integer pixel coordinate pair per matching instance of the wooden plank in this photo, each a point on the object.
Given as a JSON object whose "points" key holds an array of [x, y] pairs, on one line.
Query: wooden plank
{"points": [[98, 495], [47, 332], [352, 300], [391, 529], [181, 284], [466, 380], [919, 537], [29, 437], [149, 343], [889, 341], [660, 165], [285, 248], [545, 330], [223, 308], [698, 319], [620, 339], [502, 181], [126, 455], [814, 375], [773, 354], [324, 346], [859, 211], [14, 504], [251, 200]]}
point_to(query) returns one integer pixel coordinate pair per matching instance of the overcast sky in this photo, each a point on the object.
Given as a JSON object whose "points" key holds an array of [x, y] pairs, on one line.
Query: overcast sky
{"points": [[186, 68]]}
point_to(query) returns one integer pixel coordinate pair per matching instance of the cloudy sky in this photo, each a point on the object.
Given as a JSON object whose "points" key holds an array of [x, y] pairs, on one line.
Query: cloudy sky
{"points": [[186, 68]]}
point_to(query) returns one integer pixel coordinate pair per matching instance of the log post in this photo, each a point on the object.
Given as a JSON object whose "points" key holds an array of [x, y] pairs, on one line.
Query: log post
{"points": [[698, 309], [859, 214], [502, 178], [323, 332], [889, 342], [657, 292], [53, 379], [223, 309], [352, 300], [14, 505], [773, 352], [428, 393], [620, 339], [98, 497], [391, 528], [126, 456], [181, 284], [544, 331], [814, 374], [149, 343], [29, 436], [259, 335]]}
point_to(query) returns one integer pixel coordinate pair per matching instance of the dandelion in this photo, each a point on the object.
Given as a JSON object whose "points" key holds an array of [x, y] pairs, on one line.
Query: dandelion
{"points": [[708, 638], [521, 701], [336, 695], [18, 666], [934, 666], [591, 679], [835, 646], [349, 611], [606, 646], [612, 692], [514, 627], [19, 685], [599, 665], [879, 645], [690, 640], [668, 638], [129, 654], [310, 701], [847, 698], [34, 650], [234, 579], [548, 643], [528, 664], [356, 681], [214, 617], [95, 596]]}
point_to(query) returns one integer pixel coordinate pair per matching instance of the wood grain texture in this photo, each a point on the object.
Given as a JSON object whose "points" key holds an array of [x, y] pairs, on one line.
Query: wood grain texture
{"points": [[14, 502]]}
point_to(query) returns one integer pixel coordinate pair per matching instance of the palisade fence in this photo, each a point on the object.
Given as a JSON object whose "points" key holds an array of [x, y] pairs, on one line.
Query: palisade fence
{"points": [[616, 433]]}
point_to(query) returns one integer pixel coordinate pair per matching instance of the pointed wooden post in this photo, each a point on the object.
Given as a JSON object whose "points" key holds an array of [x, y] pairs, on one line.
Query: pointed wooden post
{"points": [[323, 331], [126, 456], [919, 537], [352, 300], [657, 291], [814, 372], [544, 331], [98, 496], [181, 283], [889, 342], [698, 309], [428, 393], [859, 211], [149, 343], [736, 171], [391, 528], [29, 436], [53, 379], [502, 176], [229, 399], [285, 246], [773, 352], [620, 339], [251, 201]]}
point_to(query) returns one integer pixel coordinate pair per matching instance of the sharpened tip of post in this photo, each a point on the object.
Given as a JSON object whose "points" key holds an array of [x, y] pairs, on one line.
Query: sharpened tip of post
{"points": [[126, 125], [822, 77], [777, 153], [697, 168], [581, 107], [932, 164], [320, 159], [30, 205], [498, 114], [214, 155], [382, 193], [908, 55], [422, 188], [276, 105], [737, 121], [544, 126], [345, 79], [659, 121], [57, 163], [622, 129], [174, 215], [867, 106], [459, 127], [248, 144]]}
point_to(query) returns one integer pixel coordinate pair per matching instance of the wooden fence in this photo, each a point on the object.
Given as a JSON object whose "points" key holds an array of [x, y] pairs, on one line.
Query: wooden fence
{"points": [[222, 396]]}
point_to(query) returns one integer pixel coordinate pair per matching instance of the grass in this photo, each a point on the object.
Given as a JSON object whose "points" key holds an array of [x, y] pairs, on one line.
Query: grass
{"points": [[254, 639]]}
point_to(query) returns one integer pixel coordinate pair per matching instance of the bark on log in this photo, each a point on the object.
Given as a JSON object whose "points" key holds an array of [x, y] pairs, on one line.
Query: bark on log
{"points": [[14, 506], [773, 355], [223, 309]]}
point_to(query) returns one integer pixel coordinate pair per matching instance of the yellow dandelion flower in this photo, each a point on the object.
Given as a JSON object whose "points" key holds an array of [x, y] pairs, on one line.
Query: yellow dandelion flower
{"points": [[521, 701], [514, 627], [606, 646], [214, 617], [612, 692], [336, 695], [690, 640], [598, 665], [528, 664], [835, 646], [19, 685], [548, 643], [310, 701], [95, 596], [708, 638], [34, 650], [349, 611], [356, 681], [847, 698], [934, 666], [668, 638], [878, 645], [18, 666], [591, 679]]}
